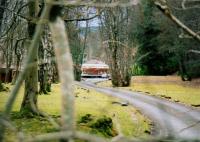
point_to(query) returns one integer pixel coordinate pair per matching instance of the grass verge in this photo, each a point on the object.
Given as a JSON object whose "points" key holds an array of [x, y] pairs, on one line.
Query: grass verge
{"points": [[126, 119], [174, 91]]}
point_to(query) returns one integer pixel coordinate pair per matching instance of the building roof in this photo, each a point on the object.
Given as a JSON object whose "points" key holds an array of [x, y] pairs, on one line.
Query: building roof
{"points": [[94, 64]]}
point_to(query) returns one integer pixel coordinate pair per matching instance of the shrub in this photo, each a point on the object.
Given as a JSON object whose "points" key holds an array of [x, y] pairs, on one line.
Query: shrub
{"points": [[86, 118], [105, 126]]}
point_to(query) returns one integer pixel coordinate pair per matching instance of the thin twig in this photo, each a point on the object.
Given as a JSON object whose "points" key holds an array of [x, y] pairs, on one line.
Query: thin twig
{"points": [[96, 4]]}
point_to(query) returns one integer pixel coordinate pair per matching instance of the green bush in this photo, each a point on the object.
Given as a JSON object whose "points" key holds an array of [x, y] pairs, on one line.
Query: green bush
{"points": [[86, 118], [105, 126]]}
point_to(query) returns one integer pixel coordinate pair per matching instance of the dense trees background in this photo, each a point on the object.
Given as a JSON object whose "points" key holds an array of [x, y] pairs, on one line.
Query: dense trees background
{"points": [[164, 48]]}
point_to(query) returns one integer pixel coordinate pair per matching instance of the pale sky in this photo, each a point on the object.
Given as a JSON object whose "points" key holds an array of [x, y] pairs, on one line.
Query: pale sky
{"points": [[92, 23]]}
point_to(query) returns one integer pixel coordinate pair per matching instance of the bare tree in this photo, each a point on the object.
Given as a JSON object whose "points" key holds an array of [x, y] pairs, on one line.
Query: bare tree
{"points": [[116, 37], [12, 41], [78, 35]]}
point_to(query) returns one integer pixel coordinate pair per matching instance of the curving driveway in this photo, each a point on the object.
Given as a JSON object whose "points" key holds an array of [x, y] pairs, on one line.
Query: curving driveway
{"points": [[170, 119]]}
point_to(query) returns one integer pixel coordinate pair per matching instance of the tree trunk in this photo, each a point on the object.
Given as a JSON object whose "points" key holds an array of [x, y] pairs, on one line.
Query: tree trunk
{"points": [[55, 77], [77, 72], [116, 45], [44, 85], [29, 104], [183, 71], [115, 70], [16, 71], [2, 4], [43, 79], [42, 71], [7, 75]]}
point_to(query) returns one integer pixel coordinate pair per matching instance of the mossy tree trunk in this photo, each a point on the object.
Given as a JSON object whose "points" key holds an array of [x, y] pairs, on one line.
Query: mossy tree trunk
{"points": [[29, 104]]}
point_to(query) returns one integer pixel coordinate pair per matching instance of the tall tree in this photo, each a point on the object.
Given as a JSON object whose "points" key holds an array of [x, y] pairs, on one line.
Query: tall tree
{"points": [[29, 104], [116, 42], [77, 36], [185, 36], [46, 60], [13, 33], [152, 37]]}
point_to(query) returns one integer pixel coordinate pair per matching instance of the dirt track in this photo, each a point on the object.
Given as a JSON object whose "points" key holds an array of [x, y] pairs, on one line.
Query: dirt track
{"points": [[170, 119]]}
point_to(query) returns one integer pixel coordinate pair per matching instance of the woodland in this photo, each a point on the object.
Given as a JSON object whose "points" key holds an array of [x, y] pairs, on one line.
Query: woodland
{"points": [[44, 43]]}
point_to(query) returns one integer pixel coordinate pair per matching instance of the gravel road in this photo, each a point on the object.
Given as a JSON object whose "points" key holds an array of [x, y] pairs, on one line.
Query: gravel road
{"points": [[169, 118]]}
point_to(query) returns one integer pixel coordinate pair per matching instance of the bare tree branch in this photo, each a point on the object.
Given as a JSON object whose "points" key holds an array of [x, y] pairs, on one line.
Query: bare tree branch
{"points": [[194, 51], [96, 4], [189, 4], [65, 66], [163, 7], [82, 19], [17, 13]]}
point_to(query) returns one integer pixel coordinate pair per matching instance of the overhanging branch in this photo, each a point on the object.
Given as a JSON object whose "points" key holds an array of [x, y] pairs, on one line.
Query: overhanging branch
{"points": [[163, 7], [81, 19]]}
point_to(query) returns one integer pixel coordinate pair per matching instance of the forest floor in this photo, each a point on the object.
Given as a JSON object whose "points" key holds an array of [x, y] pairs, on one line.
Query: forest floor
{"points": [[168, 87], [126, 119]]}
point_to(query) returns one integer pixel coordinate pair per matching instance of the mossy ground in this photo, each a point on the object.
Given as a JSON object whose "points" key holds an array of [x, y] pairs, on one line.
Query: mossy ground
{"points": [[166, 87], [126, 119]]}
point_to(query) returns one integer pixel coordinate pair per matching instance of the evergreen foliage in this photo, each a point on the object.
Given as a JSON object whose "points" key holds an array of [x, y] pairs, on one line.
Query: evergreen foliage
{"points": [[151, 60]]}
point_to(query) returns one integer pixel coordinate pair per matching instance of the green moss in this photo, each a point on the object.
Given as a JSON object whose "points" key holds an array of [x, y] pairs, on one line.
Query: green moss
{"points": [[130, 122], [86, 118], [105, 126]]}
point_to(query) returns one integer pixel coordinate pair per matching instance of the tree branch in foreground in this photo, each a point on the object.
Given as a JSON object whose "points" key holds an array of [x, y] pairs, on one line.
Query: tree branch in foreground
{"points": [[65, 66], [162, 6]]}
